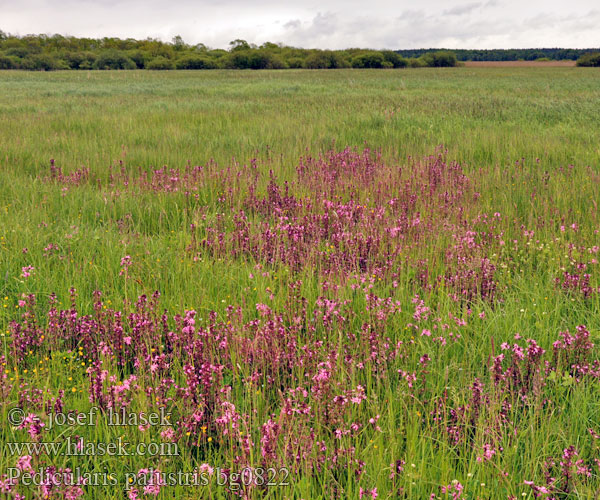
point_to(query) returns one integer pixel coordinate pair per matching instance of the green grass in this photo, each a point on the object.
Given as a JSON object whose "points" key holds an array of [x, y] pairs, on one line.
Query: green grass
{"points": [[486, 118], [483, 116]]}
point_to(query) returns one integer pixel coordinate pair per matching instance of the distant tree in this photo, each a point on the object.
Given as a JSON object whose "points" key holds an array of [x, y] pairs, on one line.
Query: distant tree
{"points": [[416, 62], [43, 62], [324, 59], [254, 59], [239, 44], [113, 59], [178, 43], [220, 57], [295, 62], [395, 59], [441, 58], [34, 43], [592, 60], [239, 59], [20, 51], [258, 59], [270, 46], [7, 62], [139, 57], [160, 63], [80, 60], [195, 62], [218, 53], [276, 62], [369, 59], [156, 48]]}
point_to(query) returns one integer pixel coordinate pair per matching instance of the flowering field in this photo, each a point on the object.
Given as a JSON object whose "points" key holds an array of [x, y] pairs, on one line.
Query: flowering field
{"points": [[310, 285]]}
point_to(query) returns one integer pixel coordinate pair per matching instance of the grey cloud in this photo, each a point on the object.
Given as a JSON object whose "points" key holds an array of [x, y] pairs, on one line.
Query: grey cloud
{"points": [[460, 10], [320, 27], [411, 15], [294, 24]]}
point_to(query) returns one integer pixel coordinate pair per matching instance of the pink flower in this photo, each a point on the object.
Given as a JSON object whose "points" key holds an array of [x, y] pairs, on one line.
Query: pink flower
{"points": [[26, 271], [125, 263], [372, 493], [168, 434], [488, 453], [206, 469], [33, 425], [6, 485], [24, 463]]}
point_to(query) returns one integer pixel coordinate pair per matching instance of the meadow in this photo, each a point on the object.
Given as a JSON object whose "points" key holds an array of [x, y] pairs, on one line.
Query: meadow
{"points": [[344, 283]]}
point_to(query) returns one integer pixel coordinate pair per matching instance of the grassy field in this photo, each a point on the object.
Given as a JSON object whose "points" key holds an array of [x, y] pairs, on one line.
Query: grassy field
{"points": [[372, 283]]}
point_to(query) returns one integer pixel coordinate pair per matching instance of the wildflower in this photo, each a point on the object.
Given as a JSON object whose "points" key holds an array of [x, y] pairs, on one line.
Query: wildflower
{"points": [[372, 493], [397, 468], [207, 469], [33, 425], [488, 453], [24, 463], [168, 434], [125, 263], [27, 271]]}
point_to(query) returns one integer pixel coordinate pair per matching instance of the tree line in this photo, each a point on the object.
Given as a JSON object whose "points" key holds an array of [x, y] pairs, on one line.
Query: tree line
{"points": [[57, 52], [54, 52], [555, 54]]}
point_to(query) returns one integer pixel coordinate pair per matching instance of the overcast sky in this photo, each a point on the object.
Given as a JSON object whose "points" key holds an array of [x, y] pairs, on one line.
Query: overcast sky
{"points": [[331, 24]]}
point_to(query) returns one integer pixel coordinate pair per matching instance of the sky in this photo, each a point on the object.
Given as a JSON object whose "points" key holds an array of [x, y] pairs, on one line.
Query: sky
{"points": [[331, 24]]}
